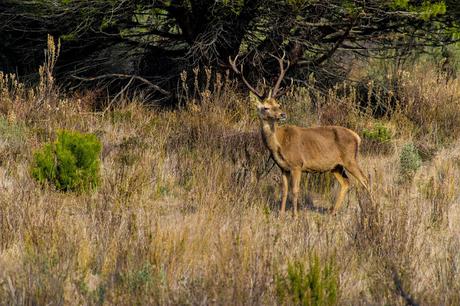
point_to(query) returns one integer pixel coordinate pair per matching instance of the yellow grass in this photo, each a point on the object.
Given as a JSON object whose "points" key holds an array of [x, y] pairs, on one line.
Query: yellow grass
{"points": [[187, 212]]}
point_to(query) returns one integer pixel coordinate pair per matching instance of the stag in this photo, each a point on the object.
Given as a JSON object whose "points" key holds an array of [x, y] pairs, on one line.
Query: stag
{"points": [[297, 149]]}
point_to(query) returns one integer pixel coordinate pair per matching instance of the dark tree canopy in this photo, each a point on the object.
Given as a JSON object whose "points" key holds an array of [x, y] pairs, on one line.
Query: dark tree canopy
{"points": [[157, 39]]}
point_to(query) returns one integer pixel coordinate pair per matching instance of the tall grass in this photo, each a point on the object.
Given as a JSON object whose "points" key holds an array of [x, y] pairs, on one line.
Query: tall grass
{"points": [[187, 209]]}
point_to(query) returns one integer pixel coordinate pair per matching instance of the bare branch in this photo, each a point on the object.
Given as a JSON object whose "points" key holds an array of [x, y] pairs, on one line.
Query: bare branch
{"points": [[119, 75]]}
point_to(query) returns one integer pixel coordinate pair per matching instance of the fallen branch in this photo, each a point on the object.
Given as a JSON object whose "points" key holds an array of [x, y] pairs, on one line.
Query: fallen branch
{"points": [[120, 75]]}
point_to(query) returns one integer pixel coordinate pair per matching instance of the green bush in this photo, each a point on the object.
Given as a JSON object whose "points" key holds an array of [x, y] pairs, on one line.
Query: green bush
{"points": [[378, 132], [410, 161], [318, 285], [377, 140], [137, 280], [71, 163]]}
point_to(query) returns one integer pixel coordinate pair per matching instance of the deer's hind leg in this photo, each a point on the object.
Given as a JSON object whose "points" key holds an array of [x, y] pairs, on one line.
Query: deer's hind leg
{"points": [[344, 182], [296, 174]]}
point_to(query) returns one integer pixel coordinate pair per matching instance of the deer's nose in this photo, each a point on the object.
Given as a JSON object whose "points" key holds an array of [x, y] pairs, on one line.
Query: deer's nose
{"points": [[283, 116]]}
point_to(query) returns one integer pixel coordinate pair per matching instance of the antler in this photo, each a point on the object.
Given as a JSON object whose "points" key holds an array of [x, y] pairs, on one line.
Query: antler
{"points": [[283, 70], [240, 73]]}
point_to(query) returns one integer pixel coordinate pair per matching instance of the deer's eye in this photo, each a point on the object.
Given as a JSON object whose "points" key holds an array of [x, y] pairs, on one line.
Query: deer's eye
{"points": [[266, 108]]}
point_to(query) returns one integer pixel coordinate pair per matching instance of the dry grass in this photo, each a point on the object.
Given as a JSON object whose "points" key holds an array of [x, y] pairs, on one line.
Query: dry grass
{"points": [[187, 212]]}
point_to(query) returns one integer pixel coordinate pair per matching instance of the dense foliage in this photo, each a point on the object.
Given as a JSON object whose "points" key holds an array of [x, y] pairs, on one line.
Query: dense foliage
{"points": [[159, 39]]}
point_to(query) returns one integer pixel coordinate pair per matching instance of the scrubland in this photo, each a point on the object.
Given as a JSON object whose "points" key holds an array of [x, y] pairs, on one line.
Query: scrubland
{"points": [[187, 209]]}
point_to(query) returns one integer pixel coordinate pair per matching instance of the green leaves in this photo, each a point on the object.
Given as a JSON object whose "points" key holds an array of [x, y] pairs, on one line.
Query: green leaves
{"points": [[400, 4], [426, 10]]}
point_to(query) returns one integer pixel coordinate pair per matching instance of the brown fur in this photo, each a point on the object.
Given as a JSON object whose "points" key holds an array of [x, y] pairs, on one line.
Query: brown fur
{"points": [[319, 149]]}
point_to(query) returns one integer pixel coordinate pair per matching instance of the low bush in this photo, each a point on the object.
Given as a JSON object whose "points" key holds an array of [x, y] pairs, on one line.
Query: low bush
{"points": [[377, 139], [378, 133], [317, 285], [71, 163], [410, 161]]}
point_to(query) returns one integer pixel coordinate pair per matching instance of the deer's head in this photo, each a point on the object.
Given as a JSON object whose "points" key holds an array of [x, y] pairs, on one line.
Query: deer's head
{"points": [[270, 110], [267, 106]]}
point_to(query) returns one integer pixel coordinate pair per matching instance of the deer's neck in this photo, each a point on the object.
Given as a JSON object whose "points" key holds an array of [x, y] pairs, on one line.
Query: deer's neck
{"points": [[268, 129]]}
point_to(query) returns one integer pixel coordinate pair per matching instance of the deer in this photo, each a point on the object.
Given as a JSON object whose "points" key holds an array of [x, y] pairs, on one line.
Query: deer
{"points": [[298, 149]]}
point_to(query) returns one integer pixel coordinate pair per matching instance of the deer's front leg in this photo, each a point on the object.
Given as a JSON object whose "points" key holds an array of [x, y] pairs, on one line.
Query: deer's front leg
{"points": [[285, 190], [295, 187]]}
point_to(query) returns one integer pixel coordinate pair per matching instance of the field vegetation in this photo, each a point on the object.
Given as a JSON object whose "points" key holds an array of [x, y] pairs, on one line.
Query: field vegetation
{"points": [[186, 209]]}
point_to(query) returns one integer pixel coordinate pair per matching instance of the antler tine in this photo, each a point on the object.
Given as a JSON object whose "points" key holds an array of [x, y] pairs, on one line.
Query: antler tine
{"points": [[283, 90], [282, 73], [240, 73], [232, 63]]}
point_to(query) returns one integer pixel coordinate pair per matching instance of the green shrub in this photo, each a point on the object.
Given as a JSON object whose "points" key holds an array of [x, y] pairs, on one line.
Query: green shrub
{"points": [[378, 132], [377, 140], [136, 280], [71, 163], [409, 161], [318, 285]]}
